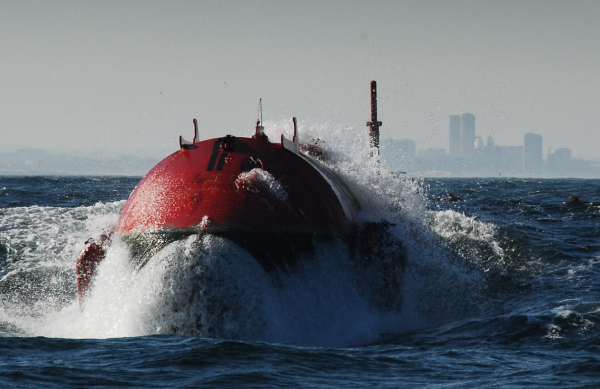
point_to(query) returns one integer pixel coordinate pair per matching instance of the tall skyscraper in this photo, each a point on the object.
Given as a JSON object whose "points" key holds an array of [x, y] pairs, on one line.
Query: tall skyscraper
{"points": [[467, 134], [462, 135], [454, 141], [533, 153]]}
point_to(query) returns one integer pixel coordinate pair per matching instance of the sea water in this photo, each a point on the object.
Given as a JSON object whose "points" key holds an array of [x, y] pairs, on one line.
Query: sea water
{"points": [[499, 290]]}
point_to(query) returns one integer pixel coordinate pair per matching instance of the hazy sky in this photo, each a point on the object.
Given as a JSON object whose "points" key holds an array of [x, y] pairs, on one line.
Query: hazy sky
{"points": [[115, 77]]}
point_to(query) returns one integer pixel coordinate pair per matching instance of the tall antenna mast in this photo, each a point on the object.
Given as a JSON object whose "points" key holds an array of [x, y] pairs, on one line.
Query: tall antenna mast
{"points": [[259, 113], [374, 124], [260, 130]]}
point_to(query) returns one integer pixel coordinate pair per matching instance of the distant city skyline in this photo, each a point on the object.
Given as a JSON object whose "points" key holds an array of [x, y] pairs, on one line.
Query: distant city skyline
{"points": [[468, 154], [459, 137], [398, 155]]}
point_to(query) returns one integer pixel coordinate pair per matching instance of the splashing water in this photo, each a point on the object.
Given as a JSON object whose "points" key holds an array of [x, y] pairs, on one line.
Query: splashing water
{"points": [[208, 286], [259, 180]]}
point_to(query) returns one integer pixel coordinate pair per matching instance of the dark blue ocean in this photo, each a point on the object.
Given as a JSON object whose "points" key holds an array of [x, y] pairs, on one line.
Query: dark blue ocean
{"points": [[501, 290]]}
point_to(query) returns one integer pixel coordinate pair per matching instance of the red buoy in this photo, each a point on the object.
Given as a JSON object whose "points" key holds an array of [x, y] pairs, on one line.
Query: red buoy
{"points": [[268, 197]]}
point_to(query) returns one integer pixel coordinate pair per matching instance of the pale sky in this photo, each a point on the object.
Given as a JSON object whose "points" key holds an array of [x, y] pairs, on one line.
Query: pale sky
{"points": [[128, 77]]}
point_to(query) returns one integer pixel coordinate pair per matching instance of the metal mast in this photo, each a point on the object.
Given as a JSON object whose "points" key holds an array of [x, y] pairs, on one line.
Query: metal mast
{"points": [[374, 124]]}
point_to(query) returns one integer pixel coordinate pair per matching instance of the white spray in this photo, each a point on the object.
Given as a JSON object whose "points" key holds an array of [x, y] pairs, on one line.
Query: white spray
{"points": [[209, 286]]}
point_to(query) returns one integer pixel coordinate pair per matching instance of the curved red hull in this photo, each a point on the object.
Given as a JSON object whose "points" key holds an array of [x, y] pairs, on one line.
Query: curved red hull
{"points": [[234, 185], [270, 200]]}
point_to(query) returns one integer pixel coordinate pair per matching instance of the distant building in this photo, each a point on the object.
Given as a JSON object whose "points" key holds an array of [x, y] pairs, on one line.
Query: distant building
{"points": [[559, 162], [490, 158], [432, 153], [406, 147], [467, 134], [533, 160], [480, 144], [512, 158], [559, 157], [433, 159], [462, 135], [454, 140], [563, 154]]}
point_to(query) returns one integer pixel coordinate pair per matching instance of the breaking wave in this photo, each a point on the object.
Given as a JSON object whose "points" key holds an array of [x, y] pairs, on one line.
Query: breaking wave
{"points": [[210, 287]]}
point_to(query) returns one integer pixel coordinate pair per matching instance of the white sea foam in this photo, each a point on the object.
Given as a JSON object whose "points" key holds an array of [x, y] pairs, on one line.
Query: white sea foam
{"points": [[208, 286], [259, 180]]}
